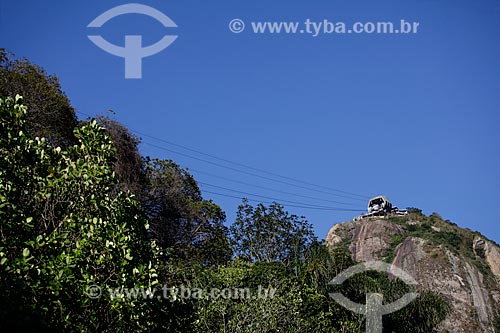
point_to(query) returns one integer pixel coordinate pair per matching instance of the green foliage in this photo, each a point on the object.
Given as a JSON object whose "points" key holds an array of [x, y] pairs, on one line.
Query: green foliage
{"points": [[294, 307], [62, 231], [434, 217], [128, 164], [439, 232], [320, 264], [396, 239], [401, 220], [452, 239], [413, 210], [421, 316], [270, 234], [66, 226], [181, 221], [76, 202], [449, 238], [496, 323], [50, 112], [356, 287]]}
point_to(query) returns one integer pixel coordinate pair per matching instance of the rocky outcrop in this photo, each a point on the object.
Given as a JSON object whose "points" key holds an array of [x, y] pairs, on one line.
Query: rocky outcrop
{"points": [[409, 253], [492, 254], [480, 298], [366, 240], [463, 279]]}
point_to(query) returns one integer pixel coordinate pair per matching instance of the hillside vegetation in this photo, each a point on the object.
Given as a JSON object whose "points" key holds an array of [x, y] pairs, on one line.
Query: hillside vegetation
{"points": [[86, 219]]}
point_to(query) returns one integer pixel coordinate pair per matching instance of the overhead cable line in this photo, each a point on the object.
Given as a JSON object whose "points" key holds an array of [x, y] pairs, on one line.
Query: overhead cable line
{"points": [[249, 167], [294, 206], [329, 192], [274, 199], [269, 188], [247, 173]]}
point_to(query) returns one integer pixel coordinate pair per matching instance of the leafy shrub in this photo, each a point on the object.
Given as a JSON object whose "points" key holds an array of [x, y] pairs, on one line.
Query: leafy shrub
{"points": [[62, 231], [450, 238], [413, 210], [421, 316], [50, 113], [396, 239], [496, 323], [295, 307], [270, 234]]}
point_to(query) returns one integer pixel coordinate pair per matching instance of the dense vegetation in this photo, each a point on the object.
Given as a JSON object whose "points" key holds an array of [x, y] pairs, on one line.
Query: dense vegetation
{"points": [[441, 234], [81, 208]]}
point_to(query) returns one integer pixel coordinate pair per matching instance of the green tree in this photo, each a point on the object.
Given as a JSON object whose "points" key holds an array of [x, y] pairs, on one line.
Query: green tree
{"points": [[181, 220], [62, 231], [128, 163], [268, 234], [421, 316], [50, 113], [289, 305], [321, 263]]}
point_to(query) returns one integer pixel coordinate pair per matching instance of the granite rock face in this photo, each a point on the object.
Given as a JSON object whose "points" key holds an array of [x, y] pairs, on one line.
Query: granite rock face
{"points": [[465, 272]]}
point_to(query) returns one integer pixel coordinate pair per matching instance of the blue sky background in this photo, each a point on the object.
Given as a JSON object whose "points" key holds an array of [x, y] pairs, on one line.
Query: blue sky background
{"points": [[415, 117]]}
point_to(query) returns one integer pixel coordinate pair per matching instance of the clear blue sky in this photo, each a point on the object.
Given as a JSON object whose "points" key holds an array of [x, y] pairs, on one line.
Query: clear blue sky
{"points": [[415, 117]]}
